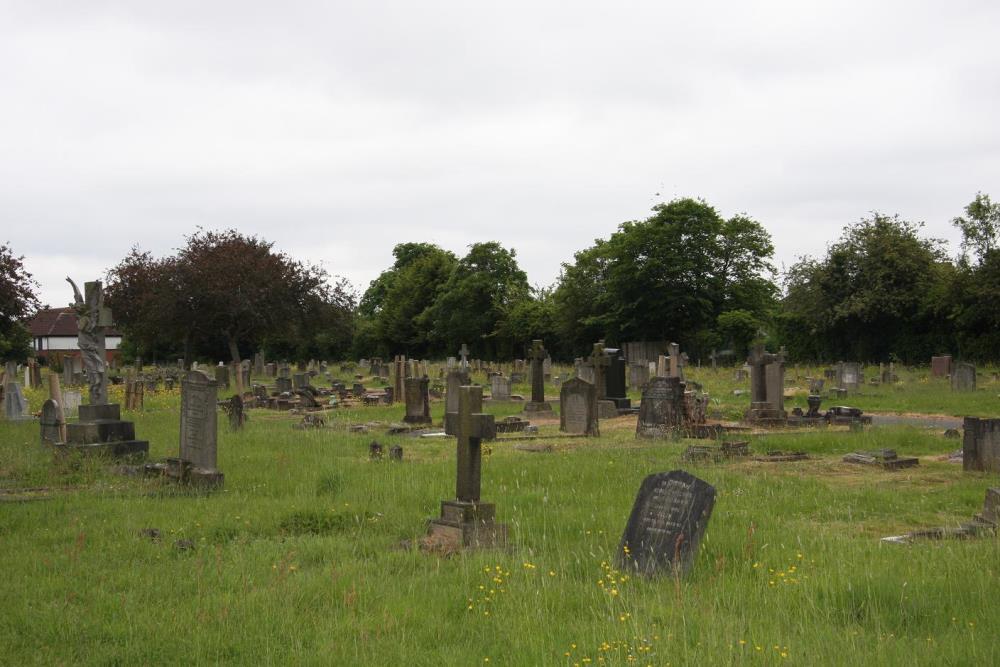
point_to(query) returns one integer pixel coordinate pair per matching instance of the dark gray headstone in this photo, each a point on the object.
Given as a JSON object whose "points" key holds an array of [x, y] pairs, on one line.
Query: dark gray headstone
{"points": [[963, 377], [578, 408], [661, 412], [666, 525], [51, 422], [981, 444], [417, 399]]}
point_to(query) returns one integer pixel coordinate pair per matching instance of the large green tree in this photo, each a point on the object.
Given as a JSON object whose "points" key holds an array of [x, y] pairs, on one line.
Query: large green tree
{"points": [[17, 303], [669, 276], [876, 295]]}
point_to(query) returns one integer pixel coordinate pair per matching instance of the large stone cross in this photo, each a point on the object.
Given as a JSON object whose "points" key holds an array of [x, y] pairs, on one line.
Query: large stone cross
{"points": [[471, 426], [537, 358], [464, 353], [599, 360]]}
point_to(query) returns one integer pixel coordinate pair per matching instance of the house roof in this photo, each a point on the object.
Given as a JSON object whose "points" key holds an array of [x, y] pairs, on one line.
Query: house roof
{"points": [[58, 322]]}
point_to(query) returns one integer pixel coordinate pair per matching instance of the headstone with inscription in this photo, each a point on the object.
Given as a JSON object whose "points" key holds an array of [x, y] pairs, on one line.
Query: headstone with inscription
{"points": [[941, 366], [15, 405], [197, 462], [667, 522], [578, 408], [614, 378], [500, 387], [51, 422], [767, 387], [661, 411], [981, 444], [638, 374], [848, 375]]}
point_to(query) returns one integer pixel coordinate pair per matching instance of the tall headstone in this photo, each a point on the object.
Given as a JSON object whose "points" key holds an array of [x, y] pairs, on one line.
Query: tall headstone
{"points": [[92, 321], [453, 387], [578, 408], [236, 413], [222, 376], [466, 521], [667, 522], [614, 379], [258, 364], [963, 377], [398, 375], [981, 444], [416, 392], [199, 430], [72, 400], [638, 374], [55, 393], [848, 375], [15, 405], [537, 404], [661, 412]]}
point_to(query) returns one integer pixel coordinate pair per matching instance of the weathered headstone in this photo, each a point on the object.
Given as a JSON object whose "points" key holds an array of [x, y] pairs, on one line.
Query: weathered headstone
{"points": [[638, 374], [418, 402], [222, 376], [963, 377], [199, 430], [578, 408], [661, 411], [848, 375], [398, 375], [51, 422], [300, 381], [767, 387], [283, 385], [236, 413], [941, 366], [453, 386], [258, 364], [666, 525], [981, 444], [71, 402], [464, 354], [466, 521], [614, 378], [500, 387], [15, 405]]}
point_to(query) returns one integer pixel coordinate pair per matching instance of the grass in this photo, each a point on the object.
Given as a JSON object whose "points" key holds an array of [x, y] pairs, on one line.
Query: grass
{"points": [[298, 558]]}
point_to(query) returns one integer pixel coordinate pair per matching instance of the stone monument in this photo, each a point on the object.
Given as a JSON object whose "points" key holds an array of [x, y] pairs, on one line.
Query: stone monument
{"points": [[416, 392], [578, 408], [92, 321], [537, 404]]}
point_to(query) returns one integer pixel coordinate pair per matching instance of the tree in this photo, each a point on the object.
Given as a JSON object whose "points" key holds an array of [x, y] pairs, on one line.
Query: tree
{"points": [[874, 295], [18, 302], [980, 226], [482, 288], [669, 276]]}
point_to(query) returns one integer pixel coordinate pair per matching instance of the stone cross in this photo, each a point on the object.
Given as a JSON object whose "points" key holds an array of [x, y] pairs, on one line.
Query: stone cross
{"points": [[464, 354], [600, 361], [471, 426], [537, 357]]}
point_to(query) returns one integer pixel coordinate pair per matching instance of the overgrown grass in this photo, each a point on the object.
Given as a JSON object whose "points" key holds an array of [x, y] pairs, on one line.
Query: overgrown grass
{"points": [[298, 558]]}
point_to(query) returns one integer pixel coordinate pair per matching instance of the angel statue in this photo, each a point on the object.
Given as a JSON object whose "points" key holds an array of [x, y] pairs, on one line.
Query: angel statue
{"points": [[91, 319]]}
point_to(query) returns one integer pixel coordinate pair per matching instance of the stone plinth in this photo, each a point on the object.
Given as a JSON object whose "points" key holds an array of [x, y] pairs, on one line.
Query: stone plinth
{"points": [[467, 525], [102, 432]]}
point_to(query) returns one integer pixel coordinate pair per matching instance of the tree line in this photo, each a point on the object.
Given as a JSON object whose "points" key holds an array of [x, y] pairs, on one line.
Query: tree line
{"points": [[883, 291]]}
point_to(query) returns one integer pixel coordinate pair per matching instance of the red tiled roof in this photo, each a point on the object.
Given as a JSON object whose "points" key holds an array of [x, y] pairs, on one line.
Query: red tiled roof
{"points": [[58, 322]]}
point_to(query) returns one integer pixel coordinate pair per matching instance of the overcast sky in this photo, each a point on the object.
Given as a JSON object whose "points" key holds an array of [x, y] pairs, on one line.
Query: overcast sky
{"points": [[339, 129]]}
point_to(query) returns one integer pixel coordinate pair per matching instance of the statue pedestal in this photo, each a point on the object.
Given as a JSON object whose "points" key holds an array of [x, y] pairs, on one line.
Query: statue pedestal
{"points": [[102, 432]]}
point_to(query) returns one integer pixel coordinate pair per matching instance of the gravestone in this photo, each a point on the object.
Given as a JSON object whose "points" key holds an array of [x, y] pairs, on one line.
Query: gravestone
{"points": [[614, 378], [500, 388], [638, 374], [547, 368], [418, 400], [585, 371], [882, 458], [222, 376], [15, 405], [71, 402], [271, 369], [467, 521], [300, 381], [51, 422], [676, 361], [398, 375], [258, 365], [578, 408], [941, 366], [456, 379], [235, 411], [767, 387], [661, 411], [981, 444], [667, 522], [816, 385], [283, 385], [464, 354], [848, 375], [537, 404], [963, 377], [197, 463]]}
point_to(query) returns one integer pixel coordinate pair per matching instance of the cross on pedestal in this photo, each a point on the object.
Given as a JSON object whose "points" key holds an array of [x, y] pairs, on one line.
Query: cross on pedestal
{"points": [[465, 521], [599, 360], [464, 353], [537, 358], [471, 426]]}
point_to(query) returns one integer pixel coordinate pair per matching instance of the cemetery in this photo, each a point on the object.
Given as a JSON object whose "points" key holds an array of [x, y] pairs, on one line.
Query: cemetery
{"points": [[704, 516]]}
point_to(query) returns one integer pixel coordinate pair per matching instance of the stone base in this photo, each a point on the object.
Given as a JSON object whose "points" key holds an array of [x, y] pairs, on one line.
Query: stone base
{"points": [[621, 403], [125, 449], [466, 526], [543, 409], [183, 472], [417, 420], [606, 409]]}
